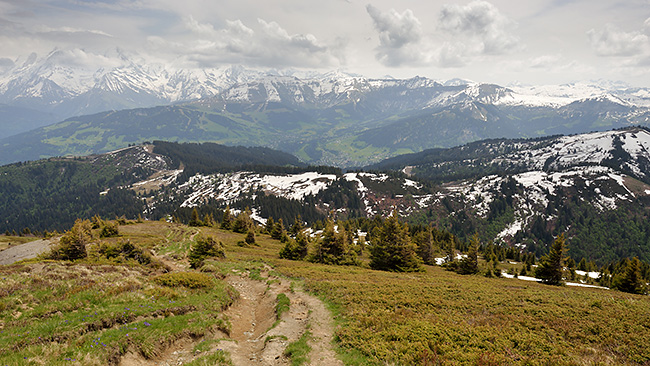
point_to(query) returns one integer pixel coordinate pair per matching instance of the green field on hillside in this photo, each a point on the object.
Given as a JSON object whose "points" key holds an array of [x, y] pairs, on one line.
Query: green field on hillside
{"points": [[97, 310]]}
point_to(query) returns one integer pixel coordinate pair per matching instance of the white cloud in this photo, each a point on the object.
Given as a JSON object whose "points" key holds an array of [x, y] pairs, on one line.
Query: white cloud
{"points": [[481, 27], [70, 31], [266, 44], [400, 37], [611, 41]]}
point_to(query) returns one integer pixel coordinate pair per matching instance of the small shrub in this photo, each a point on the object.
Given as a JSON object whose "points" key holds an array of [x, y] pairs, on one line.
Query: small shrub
{"points": [[109, 229], [205, 247], [184, 279], [162, 292], [72, 244], [250, 237], [124, 251]]}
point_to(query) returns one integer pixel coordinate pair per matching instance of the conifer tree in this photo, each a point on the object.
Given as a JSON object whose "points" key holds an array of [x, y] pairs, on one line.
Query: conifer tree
{"points": [[582, 266], [278, 230], [72, 244], [551, 266], [208, 220], [469, 264], [297, 226], [424, 242], [295, 249], [393, 250], [334, 247], [226, 222], [270, 224], [631, 280], [205, 247], [195, 221], [243, 222]]}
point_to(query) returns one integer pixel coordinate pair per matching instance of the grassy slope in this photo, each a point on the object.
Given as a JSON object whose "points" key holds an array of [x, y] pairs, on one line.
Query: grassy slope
{"points": [[434, 317]]}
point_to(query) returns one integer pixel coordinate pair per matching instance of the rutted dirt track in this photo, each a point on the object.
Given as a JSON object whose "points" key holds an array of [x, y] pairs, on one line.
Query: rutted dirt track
{"points": [[252, 339]]}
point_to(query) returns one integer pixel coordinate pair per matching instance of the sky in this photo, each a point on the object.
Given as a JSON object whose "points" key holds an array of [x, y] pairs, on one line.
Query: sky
{"points": [[498, 41]]}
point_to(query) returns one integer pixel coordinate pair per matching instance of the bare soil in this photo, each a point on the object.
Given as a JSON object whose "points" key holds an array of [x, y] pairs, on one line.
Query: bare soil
{"points": [[253, 340]]}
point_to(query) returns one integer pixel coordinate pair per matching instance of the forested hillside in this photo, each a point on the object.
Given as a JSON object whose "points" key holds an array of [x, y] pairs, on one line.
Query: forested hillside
{"points": [[50, 194]]}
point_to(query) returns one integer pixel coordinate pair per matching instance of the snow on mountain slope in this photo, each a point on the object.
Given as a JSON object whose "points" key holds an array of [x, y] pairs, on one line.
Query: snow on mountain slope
{"points": [[606, 187], [592, 148], [229, 187]]}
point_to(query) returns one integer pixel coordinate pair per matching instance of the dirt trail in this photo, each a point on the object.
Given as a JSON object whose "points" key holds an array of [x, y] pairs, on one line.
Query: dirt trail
{"points": [[254, 314], [24, 251], [253, 340]]}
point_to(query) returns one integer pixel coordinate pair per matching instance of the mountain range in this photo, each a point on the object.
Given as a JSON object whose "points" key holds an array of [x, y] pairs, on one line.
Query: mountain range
{"points": [[333, 118], [520, 192]]}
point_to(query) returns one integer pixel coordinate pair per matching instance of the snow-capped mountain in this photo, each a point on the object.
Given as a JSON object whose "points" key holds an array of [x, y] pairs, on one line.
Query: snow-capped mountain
{"points": [[66, 84], [331, 118]]}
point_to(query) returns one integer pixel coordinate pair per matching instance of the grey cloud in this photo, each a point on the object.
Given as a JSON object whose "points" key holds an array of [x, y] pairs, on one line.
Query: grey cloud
{"points": [[450, 55], [400, 37], [5, 64], [268, 44], [480, 25], [612, 41]]}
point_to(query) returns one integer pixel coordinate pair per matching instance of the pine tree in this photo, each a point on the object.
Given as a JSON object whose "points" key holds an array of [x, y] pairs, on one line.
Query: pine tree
{"points": [[334, 247], [226, 221], [208, 220], [551, 266], [195, 221], [270, 224], [393, 250], [295, 249], [278, 230], [469, 264], [297, 226], [205, 247], [582, 266], [631, 280], [424, 242], [243, 222], [72, 244]]}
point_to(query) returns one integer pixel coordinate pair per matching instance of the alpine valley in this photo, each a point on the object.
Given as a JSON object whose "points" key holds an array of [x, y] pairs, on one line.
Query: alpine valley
{"points": [[335, 118]]}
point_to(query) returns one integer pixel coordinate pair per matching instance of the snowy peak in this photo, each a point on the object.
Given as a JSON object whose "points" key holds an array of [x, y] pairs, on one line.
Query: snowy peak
{"points": [[63, 76]]}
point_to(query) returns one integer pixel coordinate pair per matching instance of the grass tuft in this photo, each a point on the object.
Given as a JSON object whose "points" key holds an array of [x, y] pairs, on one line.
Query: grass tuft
{"points": [[298, 351]]}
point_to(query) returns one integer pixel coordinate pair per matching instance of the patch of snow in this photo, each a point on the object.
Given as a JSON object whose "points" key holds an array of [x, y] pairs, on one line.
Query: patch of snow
{"points": [[594, 275], [585, 285]]}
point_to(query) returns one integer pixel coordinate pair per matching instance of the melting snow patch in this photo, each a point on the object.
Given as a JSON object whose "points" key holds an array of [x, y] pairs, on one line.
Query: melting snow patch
{"points": [[591, 274]]}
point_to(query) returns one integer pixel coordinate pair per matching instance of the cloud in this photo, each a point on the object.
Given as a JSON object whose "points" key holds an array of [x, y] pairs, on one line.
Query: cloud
{"points": [[480, 27], [70, 31], [463, 33], [400, 37], [266, 44], [611, 41], [5, 64]]}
